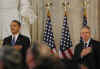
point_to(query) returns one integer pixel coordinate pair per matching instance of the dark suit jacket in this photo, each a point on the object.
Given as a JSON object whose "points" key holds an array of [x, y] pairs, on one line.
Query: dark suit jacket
{"points": [[21, 40], [69, 64], [92, 60]]}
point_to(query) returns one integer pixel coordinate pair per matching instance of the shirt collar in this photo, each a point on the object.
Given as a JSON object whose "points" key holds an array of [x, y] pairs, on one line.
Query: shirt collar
{"points": [[88, 42], [16, 36]]}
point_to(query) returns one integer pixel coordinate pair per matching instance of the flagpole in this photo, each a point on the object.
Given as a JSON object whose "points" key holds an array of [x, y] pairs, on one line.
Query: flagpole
{"points": [[65, 52], [49, 33], [84, 9], [48, 5]]}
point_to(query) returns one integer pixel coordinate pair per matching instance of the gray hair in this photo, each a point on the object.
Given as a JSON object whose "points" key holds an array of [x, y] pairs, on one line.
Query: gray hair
{"points": [[86, 27]]}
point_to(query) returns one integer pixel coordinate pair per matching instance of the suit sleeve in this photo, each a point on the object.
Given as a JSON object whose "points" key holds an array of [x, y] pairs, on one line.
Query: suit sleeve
{"points": [[27, 44], [97, 53], [77, 57], [4, 42]]}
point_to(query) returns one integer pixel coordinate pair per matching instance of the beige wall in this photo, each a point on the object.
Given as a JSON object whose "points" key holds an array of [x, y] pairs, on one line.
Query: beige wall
{"points": [[98, 16]]}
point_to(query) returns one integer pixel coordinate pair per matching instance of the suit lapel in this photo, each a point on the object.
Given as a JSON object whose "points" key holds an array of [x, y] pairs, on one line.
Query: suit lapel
{"points": [[91, 43], [10, 40], [81, 47], [18, 39]]}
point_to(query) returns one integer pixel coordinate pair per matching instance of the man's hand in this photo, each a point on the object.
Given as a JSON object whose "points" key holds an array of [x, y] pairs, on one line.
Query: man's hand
{"points": [[86, 51], [18, 47], [82, 66]]}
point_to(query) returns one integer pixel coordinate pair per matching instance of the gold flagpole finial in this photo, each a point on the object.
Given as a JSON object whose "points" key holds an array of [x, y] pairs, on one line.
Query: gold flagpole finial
{"points": [[48, 13], [85, 12], [66, 6], [48, 5], [85, 3]]}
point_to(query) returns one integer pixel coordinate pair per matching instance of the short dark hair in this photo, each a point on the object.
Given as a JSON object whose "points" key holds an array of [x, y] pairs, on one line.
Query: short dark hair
{"points": [[16, 21]]}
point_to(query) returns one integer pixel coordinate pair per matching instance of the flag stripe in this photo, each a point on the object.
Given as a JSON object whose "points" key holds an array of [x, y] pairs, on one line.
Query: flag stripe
{"points": [[70, 51], [64, 54], [53, 51], [60, 55], [67, 54]]}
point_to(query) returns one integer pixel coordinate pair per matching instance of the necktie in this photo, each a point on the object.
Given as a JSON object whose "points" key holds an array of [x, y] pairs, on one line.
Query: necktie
{"points": [[85, 45], [13, 41]]}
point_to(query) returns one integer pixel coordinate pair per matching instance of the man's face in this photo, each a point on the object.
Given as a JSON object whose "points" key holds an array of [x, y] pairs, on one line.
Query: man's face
{"points": [[15, 28], [83, 67], [85, 34]]}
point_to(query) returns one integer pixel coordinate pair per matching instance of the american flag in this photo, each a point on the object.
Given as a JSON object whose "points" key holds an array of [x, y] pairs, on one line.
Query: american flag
{"points": [[66, 42], [48, 34], [84, 20]]}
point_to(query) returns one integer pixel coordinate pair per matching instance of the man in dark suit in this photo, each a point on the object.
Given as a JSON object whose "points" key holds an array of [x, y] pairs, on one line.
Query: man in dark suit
{"points": [[87, 52], [17, 40]]}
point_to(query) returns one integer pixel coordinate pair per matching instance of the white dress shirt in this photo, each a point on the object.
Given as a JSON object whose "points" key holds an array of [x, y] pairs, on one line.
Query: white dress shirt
{"points": [[87, 42], [16, 36]]}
